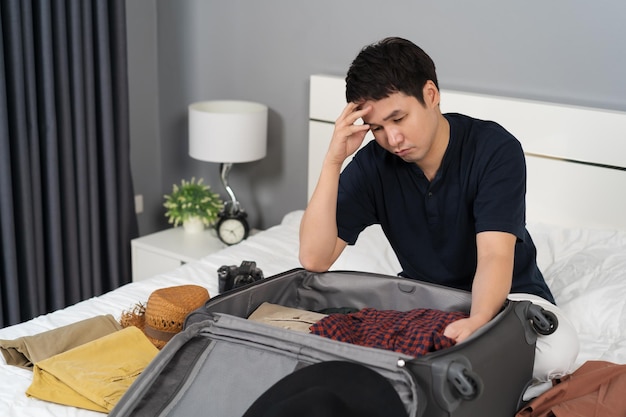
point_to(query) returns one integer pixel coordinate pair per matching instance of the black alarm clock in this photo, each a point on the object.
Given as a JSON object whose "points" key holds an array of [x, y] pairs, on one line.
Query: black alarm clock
{"points": [[232, 227]]}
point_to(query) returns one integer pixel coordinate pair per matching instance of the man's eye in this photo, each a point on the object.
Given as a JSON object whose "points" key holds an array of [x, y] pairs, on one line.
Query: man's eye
{"points": [[398, 119], [375, 129]]}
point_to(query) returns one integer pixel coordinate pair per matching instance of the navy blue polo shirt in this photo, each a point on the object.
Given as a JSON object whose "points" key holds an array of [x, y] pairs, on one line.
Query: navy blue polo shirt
{"points": [[432, 226]]}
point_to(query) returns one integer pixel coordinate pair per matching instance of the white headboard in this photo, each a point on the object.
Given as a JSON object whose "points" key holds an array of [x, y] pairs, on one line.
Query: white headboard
{"points": [[576, 156]]}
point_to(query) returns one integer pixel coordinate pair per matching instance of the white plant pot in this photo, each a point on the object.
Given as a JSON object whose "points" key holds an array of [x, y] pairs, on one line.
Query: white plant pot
{"points": [[193, 225]]}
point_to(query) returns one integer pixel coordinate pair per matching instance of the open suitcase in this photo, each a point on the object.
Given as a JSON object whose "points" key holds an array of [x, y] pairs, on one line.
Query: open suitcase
{"points": [[222, 362]]}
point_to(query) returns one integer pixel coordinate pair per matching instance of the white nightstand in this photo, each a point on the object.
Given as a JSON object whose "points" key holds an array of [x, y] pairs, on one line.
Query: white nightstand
{"points": [[166, 250]]}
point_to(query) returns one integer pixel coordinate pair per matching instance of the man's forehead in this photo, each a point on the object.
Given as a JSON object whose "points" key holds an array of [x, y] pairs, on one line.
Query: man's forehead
{"points": [[385, 108]]}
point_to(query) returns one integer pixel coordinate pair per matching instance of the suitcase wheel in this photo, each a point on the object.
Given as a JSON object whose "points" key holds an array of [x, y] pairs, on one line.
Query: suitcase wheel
{"points": [[544, 322], [466, 382]]}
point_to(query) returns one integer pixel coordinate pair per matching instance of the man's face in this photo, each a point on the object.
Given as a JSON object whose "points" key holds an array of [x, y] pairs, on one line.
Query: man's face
{"points": [[405, 127]]}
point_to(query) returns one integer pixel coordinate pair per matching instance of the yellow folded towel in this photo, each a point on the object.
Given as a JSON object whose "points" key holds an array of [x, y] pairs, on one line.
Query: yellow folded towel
{"points": [[96, 374]]}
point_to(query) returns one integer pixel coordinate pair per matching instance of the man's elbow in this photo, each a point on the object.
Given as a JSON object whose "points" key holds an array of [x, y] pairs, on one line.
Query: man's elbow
{"points": [[313, 264]]}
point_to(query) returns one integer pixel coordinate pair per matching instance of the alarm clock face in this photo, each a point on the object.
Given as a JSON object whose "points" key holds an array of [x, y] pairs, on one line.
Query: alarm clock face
{"points": [[232, 231]]}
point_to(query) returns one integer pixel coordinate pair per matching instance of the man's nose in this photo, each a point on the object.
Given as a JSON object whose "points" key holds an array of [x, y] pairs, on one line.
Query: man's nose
{"points": [[394, 137]]}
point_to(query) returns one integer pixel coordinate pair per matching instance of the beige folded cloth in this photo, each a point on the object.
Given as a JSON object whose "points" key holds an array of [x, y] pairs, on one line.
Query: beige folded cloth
{"points": [[25, 351], [96, 374], [285, 317]]}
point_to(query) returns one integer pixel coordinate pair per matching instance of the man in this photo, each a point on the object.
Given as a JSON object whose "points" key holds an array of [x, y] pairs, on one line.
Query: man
{"points": [[448, 190]]}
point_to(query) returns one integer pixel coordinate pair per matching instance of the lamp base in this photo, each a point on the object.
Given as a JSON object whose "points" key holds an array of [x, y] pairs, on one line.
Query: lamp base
{"points": [[231, 207]]}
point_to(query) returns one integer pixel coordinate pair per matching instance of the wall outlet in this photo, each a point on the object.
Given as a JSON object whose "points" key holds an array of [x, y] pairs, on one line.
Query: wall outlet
{"points": [[139, 203]]}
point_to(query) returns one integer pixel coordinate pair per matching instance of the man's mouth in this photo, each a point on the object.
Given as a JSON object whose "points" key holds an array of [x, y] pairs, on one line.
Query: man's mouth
{"points": [[403, 152]]}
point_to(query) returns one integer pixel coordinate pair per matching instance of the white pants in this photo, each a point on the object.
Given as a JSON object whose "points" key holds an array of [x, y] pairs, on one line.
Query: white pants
{"points": [[556, 353]]}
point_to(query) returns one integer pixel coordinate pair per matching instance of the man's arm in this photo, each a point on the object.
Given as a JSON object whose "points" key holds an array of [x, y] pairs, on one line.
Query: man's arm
{"points": [[492, 282], [320, 245]]}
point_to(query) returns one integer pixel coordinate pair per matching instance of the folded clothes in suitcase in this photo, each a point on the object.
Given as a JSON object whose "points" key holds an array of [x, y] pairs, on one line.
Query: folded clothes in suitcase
{"points": [[222, 362]]}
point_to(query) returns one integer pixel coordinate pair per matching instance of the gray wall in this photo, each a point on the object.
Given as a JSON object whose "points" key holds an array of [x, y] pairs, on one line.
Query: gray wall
{"points": [[145, 149], [182, 51]]}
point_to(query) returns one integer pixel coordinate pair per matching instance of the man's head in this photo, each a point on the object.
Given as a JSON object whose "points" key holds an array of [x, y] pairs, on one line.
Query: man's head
{"points": [[389, 66]]}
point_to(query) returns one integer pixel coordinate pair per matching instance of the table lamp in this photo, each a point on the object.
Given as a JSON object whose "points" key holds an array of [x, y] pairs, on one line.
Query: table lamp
{"points": [[228, 132]]}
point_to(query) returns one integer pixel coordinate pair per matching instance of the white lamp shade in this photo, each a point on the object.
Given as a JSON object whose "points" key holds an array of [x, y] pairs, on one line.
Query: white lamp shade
{"points": [[227, 131]]}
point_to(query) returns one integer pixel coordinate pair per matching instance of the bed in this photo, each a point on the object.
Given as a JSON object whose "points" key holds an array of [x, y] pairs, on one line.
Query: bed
{"points": [[576, 161]]}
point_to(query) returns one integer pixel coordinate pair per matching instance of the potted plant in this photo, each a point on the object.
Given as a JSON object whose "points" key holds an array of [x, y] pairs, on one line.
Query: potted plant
{"points": [[193, 204]]}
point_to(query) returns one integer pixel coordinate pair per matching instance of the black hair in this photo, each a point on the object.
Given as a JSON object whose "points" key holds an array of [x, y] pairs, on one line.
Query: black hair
{"points": [[389, 66]]}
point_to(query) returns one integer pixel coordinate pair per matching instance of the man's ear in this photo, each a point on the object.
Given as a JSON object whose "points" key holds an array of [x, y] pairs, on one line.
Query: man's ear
{"points": [[431, 94]]}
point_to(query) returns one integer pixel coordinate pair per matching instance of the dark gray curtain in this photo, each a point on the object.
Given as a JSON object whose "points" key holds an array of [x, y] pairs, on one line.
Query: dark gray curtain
{"points": [[66, 197]]}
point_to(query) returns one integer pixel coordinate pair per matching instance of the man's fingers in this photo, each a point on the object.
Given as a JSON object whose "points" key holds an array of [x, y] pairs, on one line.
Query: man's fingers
{"points": [[351, 113]]}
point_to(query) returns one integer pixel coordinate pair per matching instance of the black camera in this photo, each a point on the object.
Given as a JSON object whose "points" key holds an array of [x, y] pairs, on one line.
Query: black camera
{"points": [[232, 276]]}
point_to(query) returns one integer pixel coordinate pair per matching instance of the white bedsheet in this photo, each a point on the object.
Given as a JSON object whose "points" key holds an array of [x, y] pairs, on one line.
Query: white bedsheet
{"points": [[585, 269]]}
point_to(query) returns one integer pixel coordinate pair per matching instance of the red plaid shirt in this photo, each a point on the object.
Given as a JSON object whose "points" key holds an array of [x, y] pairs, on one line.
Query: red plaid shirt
{"points": [[415, 332]]}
